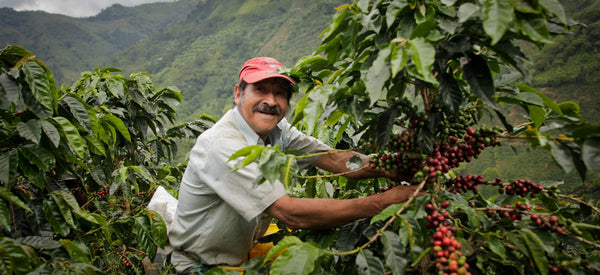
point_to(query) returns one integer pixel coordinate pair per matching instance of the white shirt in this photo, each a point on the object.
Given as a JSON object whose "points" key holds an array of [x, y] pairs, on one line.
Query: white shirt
{"points": [[220, 214]]}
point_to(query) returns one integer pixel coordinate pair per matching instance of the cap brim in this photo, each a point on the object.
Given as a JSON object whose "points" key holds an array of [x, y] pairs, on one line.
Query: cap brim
{"points": [[259, 76]]}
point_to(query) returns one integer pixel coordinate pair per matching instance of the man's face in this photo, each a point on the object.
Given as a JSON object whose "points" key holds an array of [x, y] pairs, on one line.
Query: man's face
{"points": [[263, 104]]}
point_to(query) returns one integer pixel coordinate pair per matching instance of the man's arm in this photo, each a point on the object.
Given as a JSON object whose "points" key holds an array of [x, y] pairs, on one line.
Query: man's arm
{"points": [[326, 213], [311, 213]]}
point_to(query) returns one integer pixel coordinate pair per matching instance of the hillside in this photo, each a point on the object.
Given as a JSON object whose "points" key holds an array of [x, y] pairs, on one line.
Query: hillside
{"points": [[69, 45], [202, 54]]}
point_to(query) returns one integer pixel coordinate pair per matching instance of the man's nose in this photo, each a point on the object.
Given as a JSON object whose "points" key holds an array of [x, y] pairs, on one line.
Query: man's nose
{"points": [[269, 98]]}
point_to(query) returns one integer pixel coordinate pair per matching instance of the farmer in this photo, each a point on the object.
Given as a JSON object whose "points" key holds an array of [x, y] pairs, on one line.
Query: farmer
{"points": [[220, 213]]}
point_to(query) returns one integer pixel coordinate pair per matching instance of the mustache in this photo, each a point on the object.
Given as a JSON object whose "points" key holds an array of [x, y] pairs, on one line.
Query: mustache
{"points": [[264, 108]]}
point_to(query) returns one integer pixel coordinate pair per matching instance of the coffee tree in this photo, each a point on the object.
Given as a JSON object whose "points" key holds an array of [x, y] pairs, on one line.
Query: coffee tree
{"points": [[413, 84], [78, 166]]}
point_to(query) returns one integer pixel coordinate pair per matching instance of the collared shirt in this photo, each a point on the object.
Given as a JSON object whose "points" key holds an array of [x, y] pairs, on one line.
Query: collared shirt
{"points": [[219, 213]]}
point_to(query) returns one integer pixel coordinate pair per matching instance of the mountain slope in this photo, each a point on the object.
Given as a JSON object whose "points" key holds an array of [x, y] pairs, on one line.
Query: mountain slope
{"points": [[69, 45]]}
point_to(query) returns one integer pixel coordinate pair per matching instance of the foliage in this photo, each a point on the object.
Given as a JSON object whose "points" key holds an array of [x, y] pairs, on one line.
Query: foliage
{"points": [[409, 82], [79, 164]]}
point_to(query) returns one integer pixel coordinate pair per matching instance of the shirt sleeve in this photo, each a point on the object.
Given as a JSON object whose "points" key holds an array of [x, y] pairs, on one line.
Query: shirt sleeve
{"points": [[239, 189], [292, 138]]}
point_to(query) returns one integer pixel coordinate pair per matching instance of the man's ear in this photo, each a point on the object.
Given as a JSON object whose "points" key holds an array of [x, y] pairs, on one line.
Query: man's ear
{"points": [[237, 93]]}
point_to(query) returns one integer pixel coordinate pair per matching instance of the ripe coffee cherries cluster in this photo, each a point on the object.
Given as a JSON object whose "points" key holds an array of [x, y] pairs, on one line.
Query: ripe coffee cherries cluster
{"points": [[519, 187], [462, 184], [447, 250], [513, 214], [551, 223]]}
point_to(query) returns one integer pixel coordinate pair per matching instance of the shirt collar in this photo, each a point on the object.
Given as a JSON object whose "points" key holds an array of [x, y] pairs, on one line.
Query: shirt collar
{"points": [[252, 137]]}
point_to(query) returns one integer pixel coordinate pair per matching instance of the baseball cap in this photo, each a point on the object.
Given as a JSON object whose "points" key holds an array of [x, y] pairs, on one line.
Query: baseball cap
{"points": [[261, 68]]}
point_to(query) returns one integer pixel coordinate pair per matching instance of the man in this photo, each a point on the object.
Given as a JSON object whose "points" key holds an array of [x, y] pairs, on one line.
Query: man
{"points": [[220, 213]]}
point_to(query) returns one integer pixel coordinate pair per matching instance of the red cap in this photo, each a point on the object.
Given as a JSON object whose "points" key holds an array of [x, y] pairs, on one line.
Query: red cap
{"points": [[261, 68]]}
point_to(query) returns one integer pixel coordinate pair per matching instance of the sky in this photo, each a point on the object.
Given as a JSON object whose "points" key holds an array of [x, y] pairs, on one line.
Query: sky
{"points": [[73, 8]]}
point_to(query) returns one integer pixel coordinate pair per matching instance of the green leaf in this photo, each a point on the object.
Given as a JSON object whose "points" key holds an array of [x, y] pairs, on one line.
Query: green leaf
{"points": [[374, 265], [76, 253], [466, 11], [64, 207], [251, 153], [159, 228], [562, 156], [8, 165], [423, 56], [399, 56], [280, 246], [4, 216], [76, 143], [12, 199], [496, 246], [537, 115], [96, 146], [498, 16], [79, 111], [377, 75], [30, 130], [38, 156], [51, 132], [40, 242], [55, 218], [591, 153], [554, 7], [42, 86], [536, 250], [534, 26], [386, 213], [298, 259], [118, 124], [13, 258], [478, 76], [394, 256]]}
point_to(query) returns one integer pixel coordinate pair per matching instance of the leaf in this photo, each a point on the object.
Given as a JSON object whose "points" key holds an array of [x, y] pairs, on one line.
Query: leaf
{"points": [[298, 259], [4, 216], [536, 250], [76, 253], [386, 213], [40, 242], [498, 16], [399, 57], [554, 7], [534, 26], [42, 86], [79, 111], [373, 264], [251, 154], [76, 143], [13, 258], [377, 75], [281, 246], [31, 130], [51, 132], [13, 199], [55, 219], [38, 156], [466, 11], [478, 76], [537, 115], [591, 153], [423, 56], [118, 124], [562, 156], [8, 165], [392, 250], [64, 207]]}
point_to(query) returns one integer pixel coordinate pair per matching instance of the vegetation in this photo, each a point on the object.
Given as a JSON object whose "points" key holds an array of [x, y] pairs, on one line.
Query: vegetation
{"points": [[79, 165], [410, 83], [413, 81]]}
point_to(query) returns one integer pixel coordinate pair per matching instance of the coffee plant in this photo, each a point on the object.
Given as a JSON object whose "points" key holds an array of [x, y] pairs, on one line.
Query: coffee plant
{"points": [[78, 166], [423, 87]]}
